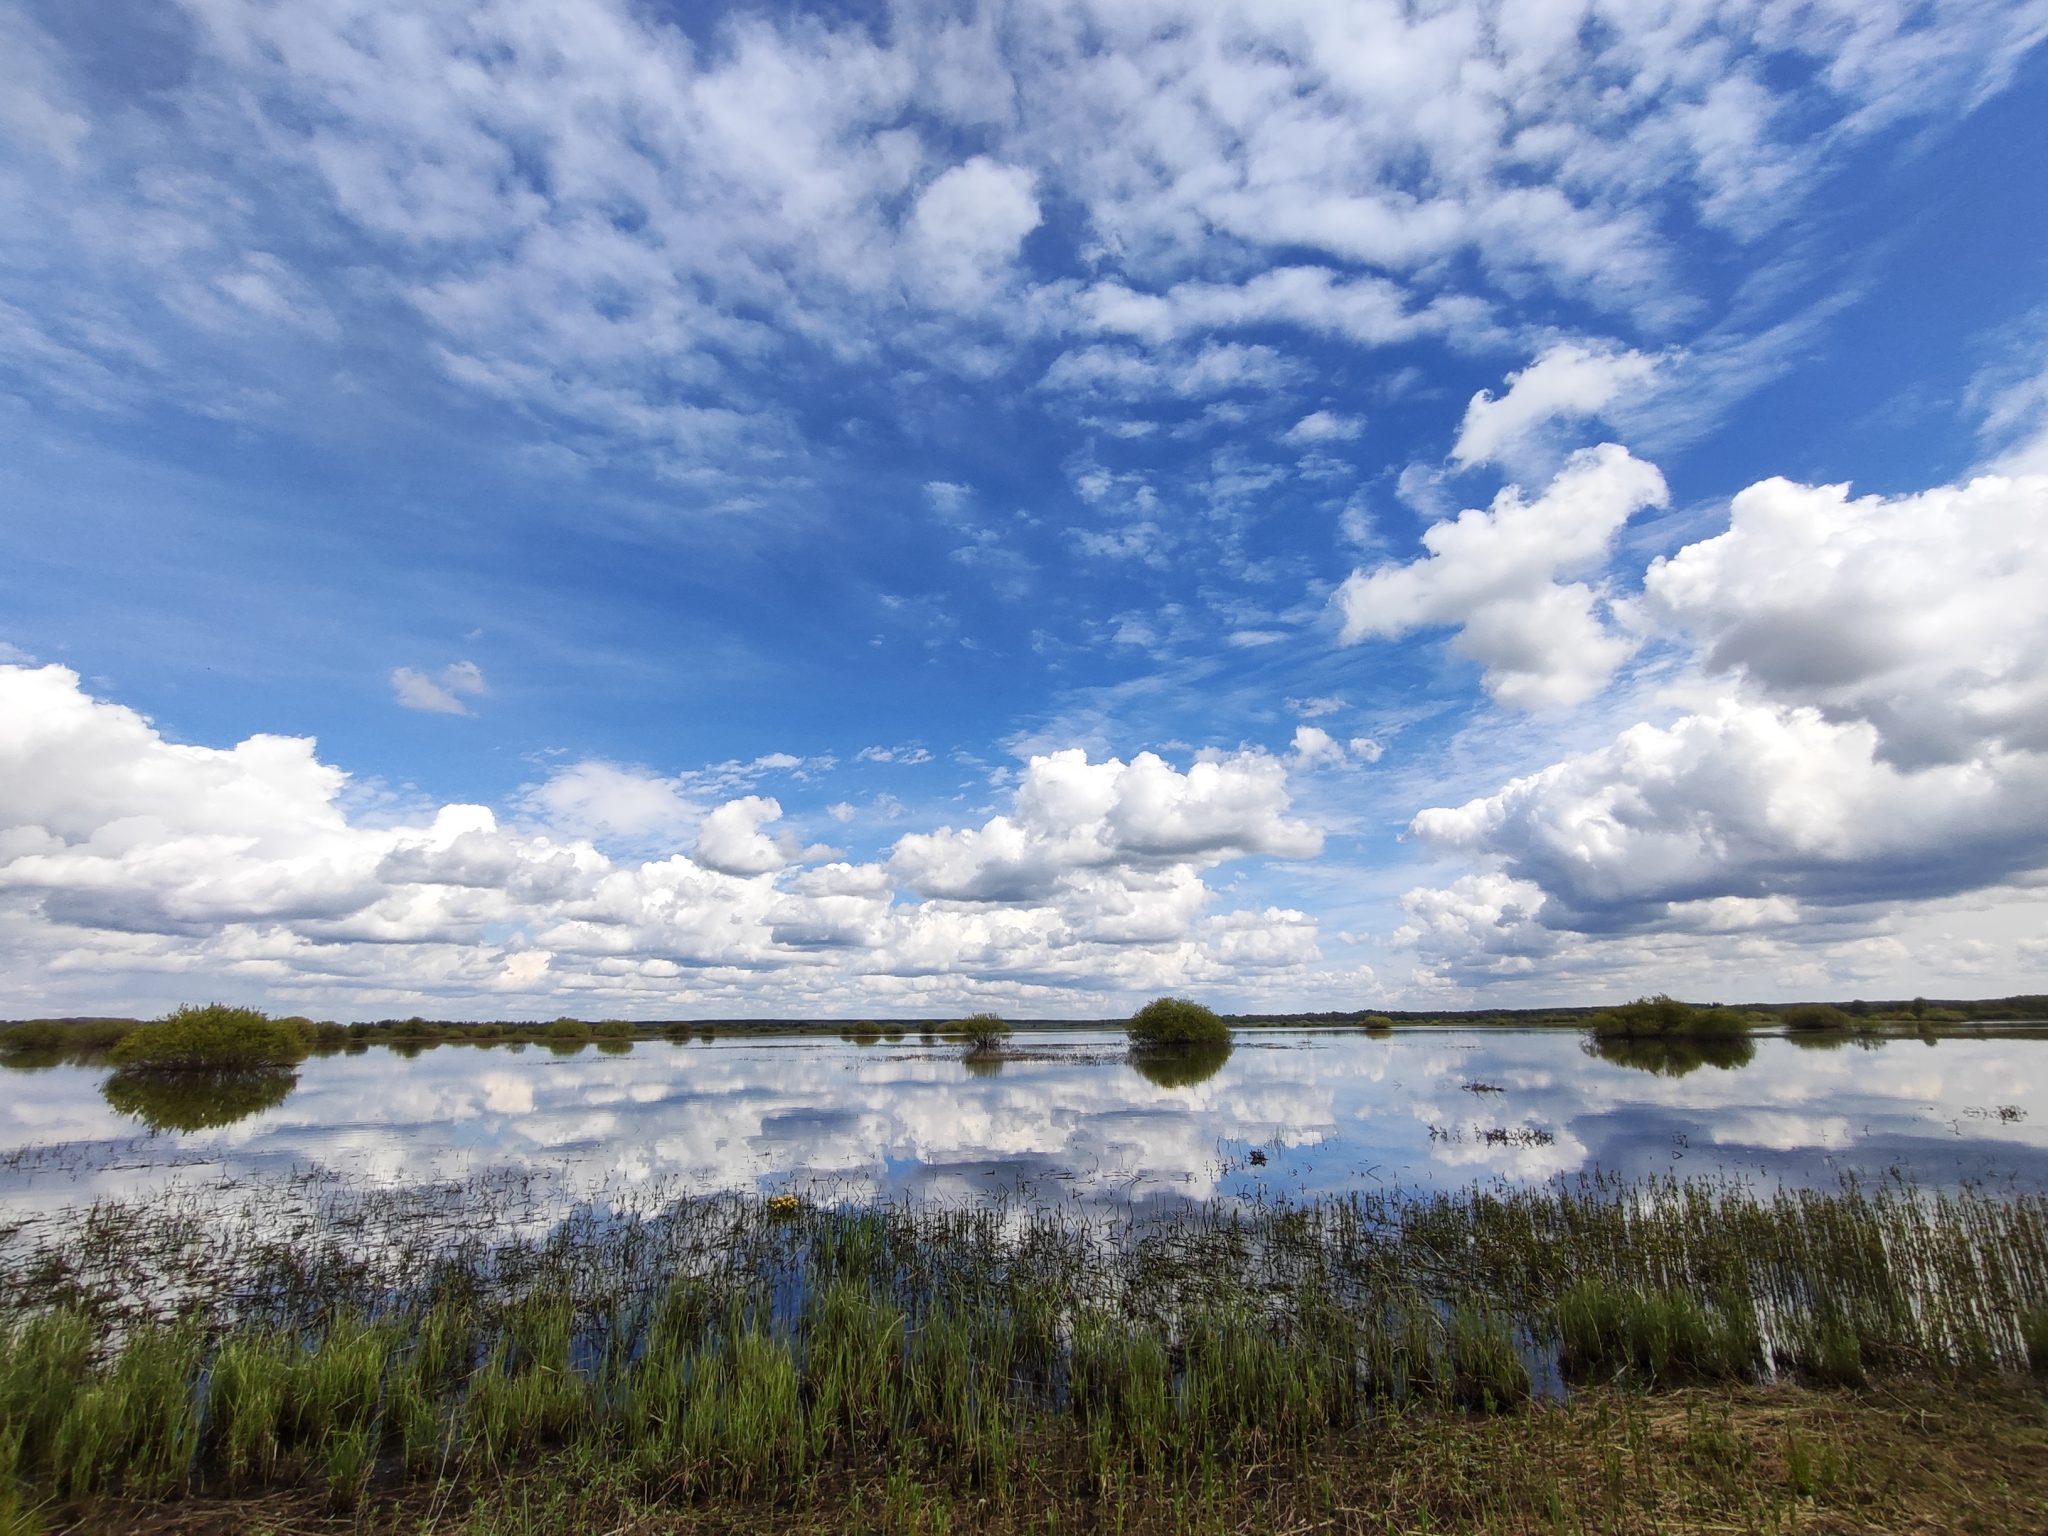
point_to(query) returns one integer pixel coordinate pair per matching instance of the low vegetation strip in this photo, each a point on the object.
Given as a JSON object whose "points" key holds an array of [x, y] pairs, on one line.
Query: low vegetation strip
{"points": [[737, 1353]]}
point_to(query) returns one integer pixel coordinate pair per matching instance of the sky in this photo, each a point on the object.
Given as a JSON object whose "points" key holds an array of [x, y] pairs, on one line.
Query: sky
{"points": [[525, 507]]}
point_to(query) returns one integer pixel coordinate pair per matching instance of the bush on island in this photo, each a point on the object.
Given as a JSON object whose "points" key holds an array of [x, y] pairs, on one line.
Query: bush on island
{"points": [[983, 1032], [210, 1037], [1170, 1023], [1816, 1016], [566, 1031], [615, 1029], [1665, 1018]]}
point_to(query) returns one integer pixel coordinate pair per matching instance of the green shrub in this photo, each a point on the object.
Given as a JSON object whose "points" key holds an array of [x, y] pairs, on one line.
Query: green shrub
{"points": [[1816, 1016], [614, 1029], [65, 1034], [209, 1037], [1663, 1017], [565, 1031], [321, 1037], [1170, 1022], [983, 1032]]}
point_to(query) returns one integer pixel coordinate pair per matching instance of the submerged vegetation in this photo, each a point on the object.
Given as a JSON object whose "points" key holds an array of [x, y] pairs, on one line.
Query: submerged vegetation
{"points": [[735, 1357]]}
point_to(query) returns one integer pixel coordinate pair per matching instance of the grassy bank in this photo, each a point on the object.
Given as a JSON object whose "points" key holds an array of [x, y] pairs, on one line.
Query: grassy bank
{"points": [[737, 1360]]}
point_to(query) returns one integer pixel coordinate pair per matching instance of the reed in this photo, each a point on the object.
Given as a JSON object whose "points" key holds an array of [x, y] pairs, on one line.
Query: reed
{"points": [[737, 1351]]}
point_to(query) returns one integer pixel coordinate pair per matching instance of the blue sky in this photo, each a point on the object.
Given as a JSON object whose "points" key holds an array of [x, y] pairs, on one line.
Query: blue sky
{"points": [[610, 508]]}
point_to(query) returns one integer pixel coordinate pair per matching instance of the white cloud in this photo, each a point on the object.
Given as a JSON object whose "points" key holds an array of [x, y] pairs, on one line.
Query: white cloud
{"points": [[1867, 739], [135, 872], [1323, 427], [731, 840], [1072, 816], [1216, 368], [440, 693], [1315, 748], [1920, 615], [1495, 575], [612, 802], [969, 223], [1572, 381]]}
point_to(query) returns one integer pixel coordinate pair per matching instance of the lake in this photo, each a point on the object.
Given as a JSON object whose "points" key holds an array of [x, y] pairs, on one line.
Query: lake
{"points": [[1289, 1114]]}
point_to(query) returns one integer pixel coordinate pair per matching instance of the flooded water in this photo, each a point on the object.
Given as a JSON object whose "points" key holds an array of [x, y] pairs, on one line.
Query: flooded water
{"points": [[1285, 1115]]}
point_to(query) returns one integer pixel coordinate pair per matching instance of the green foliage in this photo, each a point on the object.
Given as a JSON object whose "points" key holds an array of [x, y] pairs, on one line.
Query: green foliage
{"points": [[614, 1029], [1172, 1022], [210, 1037], [985, 1033], [1662, 1337], [1666, 1018], [79, 1036], [566, 1031], [1812, 1018]]}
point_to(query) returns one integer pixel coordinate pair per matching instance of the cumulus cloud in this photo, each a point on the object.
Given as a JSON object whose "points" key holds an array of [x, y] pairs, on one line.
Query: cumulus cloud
{"points": [[1495, 575], [441, 693], [732, 841], [612, 802], [1920, 615], [135, 871], [1071, 815], [1315, 747], [1869, 738], [1572, 381]]}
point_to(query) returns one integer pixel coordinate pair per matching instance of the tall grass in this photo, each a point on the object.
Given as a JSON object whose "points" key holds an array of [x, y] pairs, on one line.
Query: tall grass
{"points": [[727, 1350]]}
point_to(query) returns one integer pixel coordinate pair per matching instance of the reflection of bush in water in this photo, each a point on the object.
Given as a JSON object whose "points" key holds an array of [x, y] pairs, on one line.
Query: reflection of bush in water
{"points": [[1676, 1057], [197, 1101], [615, 1047], [566, 1047], [1831, 1039], [982, 1063], [1182, 1068]]}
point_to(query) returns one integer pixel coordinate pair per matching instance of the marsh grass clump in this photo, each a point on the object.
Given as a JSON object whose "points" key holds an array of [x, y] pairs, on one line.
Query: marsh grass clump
{"points": [[1662, 1338], [2034, 1338], [211, 1037], [1173, 1023], [1666, 1018]]}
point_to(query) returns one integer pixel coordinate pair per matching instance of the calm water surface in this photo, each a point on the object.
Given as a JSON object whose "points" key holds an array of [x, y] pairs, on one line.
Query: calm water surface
{"points": [[1288, 1114]]}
